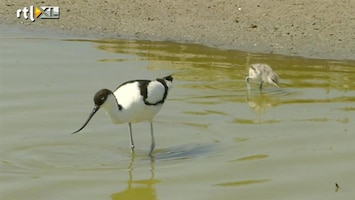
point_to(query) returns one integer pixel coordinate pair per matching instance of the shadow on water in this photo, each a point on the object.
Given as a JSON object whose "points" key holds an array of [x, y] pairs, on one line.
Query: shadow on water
{"points": [[184, 152]]}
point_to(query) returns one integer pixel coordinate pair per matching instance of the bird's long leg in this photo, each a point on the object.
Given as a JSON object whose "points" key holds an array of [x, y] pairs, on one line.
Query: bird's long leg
{"points": [[152, 146], [131, 138], [247, 81], [261, 85]]}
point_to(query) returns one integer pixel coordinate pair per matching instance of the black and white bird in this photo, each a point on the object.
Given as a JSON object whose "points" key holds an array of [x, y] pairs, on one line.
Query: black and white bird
{"points": [[133, 101], [263, 74]]}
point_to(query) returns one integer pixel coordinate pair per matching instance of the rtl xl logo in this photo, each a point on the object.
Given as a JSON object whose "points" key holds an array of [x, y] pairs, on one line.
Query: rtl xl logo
{"points": [[42, 12]]}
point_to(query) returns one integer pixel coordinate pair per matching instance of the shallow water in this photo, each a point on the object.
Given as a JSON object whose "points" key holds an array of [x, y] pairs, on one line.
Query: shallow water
{"points": [[214, 139]]}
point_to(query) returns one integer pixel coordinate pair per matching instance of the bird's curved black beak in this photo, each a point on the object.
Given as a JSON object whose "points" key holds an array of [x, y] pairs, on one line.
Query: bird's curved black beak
{"points": [[96, 108], [275, 83]]}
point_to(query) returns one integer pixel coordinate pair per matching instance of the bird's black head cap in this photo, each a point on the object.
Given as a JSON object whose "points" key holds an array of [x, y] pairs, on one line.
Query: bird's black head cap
{"points": [[99, 99], [101, 96]]}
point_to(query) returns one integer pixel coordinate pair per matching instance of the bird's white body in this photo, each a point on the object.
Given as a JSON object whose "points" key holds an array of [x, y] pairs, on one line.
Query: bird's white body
{"points": [[262, 73], [133, 107]]}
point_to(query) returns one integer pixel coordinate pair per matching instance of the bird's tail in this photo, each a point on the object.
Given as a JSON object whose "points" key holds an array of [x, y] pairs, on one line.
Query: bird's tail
{"points": [[169, 80]]}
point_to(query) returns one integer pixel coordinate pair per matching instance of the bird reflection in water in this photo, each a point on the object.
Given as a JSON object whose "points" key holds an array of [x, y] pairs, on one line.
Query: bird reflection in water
{"points": [[261, 102], [138, 189]]}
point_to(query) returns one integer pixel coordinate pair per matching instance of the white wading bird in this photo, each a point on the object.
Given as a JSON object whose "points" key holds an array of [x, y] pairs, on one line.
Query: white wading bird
{"points": [[133, 101], [263, 74]]}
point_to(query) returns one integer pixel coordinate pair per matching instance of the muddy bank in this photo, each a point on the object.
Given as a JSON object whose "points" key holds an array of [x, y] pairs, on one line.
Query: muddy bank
{"points": [[320, 28]]}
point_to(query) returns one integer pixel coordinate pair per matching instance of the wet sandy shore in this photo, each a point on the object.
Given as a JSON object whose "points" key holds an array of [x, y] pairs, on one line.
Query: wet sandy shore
{"points": [[319, 28]]}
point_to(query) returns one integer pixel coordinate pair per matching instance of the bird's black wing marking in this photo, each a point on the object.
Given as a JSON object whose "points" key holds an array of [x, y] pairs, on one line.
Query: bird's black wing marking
{"points": [[143, 86], [132, 81], [166, 89]]}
